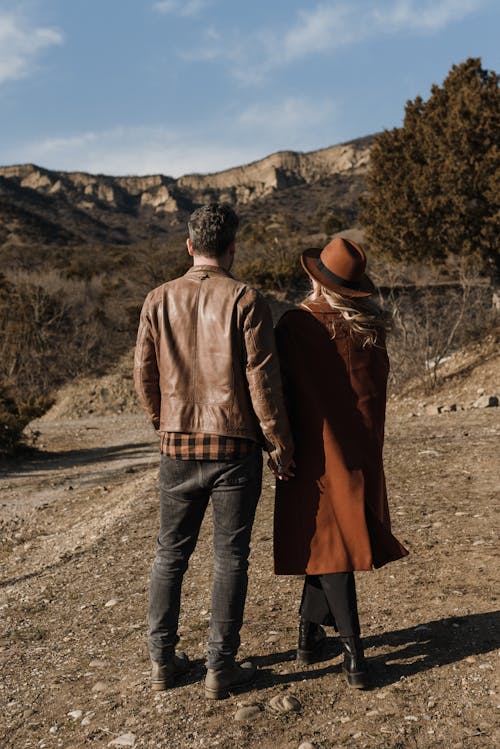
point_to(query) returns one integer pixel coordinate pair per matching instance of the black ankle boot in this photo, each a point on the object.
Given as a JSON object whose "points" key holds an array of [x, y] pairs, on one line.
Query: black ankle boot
{"points": [[312, 638], [354, 667]]}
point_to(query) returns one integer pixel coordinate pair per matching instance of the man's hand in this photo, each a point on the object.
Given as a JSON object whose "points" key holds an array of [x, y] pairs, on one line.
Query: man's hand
{"points": [[282, 473]]}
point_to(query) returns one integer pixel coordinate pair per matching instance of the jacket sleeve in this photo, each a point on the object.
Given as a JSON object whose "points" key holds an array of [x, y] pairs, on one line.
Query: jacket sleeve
{"points": [[146, 373], [264, 380]]}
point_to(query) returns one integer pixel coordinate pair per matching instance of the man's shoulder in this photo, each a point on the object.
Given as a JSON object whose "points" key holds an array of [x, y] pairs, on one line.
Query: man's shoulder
{"points": [[158, 293], [250, 296], [244, 295]]}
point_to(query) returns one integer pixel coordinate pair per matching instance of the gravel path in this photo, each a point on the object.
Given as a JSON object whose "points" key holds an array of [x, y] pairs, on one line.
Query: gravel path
{"points": [[78, 529]]}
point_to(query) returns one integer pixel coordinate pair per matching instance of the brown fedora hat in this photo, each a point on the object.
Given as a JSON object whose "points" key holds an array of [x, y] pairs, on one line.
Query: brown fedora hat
{"points": [[340, 267]]}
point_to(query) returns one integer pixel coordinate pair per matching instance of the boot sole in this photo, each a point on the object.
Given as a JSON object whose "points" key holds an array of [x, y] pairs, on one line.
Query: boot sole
{"points": [[307, 657], [161, 686], [216, 694], [221, 693], [357, 680]]}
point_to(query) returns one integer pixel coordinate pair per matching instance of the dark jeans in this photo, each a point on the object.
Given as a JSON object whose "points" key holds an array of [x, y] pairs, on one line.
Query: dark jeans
{"points": [[331, 600], [185, 489]]}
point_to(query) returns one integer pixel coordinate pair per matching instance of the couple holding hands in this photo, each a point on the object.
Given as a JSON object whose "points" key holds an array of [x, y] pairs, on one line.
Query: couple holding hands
{"points": [[219, 384]]}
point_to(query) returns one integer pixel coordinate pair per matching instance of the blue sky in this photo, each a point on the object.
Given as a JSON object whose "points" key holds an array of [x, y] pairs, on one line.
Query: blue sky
{"points": [[179, 86]]}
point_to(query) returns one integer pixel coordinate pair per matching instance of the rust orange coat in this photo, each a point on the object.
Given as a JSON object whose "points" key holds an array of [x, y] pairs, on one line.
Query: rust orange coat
{"points": [[333, 516]]}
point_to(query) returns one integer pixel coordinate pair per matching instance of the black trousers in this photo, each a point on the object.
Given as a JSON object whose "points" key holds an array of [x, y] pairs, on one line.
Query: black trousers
{"points": [[331, 600]]}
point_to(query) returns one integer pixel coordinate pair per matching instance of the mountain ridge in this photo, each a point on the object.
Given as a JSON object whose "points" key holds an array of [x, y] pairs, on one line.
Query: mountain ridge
{"points": [[122, 209]]}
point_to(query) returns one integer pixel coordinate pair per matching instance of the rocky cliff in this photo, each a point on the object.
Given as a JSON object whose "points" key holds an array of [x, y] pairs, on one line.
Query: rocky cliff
{"points": [[35, 201]]}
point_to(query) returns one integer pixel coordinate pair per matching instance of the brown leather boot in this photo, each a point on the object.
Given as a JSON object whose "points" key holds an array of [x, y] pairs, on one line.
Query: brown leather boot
{"points": [[312, 638], [218, 684], [354, 667], [163, 675]]}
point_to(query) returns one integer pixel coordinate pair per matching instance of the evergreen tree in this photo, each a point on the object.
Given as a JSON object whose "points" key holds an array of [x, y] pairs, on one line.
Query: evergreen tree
{"points": [[434, 183]]}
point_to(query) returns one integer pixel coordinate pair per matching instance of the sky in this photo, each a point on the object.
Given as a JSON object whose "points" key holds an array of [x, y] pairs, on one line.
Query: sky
{"points": [[181, 86]]}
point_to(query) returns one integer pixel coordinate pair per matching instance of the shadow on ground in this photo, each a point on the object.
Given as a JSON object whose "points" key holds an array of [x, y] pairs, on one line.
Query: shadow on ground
{"points": [[412, 650], [49, 461]]}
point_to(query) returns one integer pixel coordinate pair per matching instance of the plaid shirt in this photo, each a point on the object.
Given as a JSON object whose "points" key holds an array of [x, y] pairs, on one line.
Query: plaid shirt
{"points": [[186, 446]]}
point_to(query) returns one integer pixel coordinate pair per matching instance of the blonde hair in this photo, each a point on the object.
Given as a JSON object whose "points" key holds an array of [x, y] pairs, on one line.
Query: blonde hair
{"points": [[361, 314]]}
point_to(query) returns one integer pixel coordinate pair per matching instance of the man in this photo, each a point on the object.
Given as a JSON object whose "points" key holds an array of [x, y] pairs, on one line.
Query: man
{"points": [[207, 375]]}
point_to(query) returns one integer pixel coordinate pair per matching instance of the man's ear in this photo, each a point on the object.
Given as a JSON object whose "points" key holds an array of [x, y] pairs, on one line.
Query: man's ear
{"points": [[189, 246]]}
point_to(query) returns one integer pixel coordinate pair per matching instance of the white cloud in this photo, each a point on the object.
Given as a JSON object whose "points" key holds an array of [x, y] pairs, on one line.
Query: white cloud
{"points": [[235, 138], [20, 45], [181, 7], [136, 150], [319, 30], [214, 45], [430, 16], [326, 27], [334, 24], [293, 115]]}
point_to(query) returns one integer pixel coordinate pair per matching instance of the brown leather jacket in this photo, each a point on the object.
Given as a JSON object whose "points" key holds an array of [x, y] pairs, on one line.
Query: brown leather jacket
{"points": [[206, 361]]}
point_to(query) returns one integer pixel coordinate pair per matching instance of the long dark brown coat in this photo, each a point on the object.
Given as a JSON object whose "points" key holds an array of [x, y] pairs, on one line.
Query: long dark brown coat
{"points": [[333, 516]]}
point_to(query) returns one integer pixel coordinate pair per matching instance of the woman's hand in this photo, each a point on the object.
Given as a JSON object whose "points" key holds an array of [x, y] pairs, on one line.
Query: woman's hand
{"points": [[282, 473]]}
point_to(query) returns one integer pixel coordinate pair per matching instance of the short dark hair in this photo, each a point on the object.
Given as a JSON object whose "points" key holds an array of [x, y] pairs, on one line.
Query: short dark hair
{"points": [[212, 228]]}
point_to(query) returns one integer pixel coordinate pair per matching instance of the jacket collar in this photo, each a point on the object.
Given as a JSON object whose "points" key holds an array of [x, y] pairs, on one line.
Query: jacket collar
{"points": [[209, 269]]}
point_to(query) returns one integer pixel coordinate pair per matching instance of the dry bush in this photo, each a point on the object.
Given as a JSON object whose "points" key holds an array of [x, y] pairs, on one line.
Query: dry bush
{"points": [[273, 267], [433, 321], [13, 419], [53, 329]]}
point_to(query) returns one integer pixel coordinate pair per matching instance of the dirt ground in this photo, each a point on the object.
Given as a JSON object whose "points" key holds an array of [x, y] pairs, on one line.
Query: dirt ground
{"points": [[78, 525]]}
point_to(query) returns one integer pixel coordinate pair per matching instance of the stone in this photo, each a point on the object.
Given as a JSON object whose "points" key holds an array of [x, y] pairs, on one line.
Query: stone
{"points": [[99, 686], [75, 714], [126, 739], [112, 602], [433, 410], [97, 664], [285, 704], [307, 745], [247, 713], [486, 401]]}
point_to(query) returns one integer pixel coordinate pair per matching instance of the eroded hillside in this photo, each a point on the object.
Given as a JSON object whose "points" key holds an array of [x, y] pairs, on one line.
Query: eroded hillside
{"points": [[48, 206]]}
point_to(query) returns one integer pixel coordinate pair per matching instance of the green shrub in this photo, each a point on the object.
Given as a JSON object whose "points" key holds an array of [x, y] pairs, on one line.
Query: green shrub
{"points": [[433, 183]]}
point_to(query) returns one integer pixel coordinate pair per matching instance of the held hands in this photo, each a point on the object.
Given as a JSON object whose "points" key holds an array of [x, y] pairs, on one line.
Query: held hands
{"points": [[282, 472]]}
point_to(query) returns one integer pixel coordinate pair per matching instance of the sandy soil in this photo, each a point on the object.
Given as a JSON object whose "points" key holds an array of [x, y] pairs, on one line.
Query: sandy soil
{"points": [[77, 541]]}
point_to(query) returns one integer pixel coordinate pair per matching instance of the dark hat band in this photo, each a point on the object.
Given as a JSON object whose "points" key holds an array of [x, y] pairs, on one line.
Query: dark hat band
{"points": [[354, 285]]}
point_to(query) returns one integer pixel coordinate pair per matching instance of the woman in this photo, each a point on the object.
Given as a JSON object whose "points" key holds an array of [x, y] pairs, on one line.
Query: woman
{"points": [[332, 518]]}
